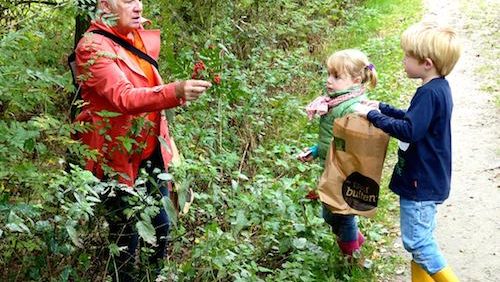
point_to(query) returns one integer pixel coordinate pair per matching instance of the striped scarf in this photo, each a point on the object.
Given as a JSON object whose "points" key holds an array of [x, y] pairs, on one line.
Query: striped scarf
{"points": [[322, 104]]}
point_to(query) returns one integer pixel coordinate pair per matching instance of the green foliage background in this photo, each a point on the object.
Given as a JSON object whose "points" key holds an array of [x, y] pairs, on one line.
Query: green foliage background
{"points": [[250, 220]]}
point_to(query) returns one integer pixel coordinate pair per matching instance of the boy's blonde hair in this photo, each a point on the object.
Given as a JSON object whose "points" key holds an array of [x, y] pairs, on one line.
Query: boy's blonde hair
{"points": [[428, 39], [354, 63]]}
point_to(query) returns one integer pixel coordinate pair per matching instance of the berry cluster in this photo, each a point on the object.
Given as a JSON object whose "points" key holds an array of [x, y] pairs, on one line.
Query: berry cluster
{"points": [[200, 71], [199, 67]]}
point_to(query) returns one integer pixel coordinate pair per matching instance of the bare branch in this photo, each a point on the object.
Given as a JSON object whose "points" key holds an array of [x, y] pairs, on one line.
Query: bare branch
{"points": [[53, 3]]}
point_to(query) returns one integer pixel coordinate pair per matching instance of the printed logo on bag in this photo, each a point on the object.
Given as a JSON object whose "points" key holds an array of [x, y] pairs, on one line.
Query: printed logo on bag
{"points": [[360, 192]]}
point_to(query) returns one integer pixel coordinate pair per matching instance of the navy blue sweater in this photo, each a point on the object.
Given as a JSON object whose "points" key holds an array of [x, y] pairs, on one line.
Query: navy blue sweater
{"points": [[423, 171]]}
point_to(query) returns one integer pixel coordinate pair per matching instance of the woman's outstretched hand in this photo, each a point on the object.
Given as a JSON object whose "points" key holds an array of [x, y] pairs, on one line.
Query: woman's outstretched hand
{"points": [[191, 89]]}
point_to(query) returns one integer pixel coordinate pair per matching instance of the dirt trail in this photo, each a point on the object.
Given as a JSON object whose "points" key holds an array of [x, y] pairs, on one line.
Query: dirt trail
{"points": [[468, 223]]}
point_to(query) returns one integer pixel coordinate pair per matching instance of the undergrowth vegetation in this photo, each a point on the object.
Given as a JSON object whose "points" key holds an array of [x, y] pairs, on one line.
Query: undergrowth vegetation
{"points": [[250, 220]]}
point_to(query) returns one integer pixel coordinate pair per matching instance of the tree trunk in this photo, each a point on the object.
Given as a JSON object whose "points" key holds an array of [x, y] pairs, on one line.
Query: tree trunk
{"points": [[82, 21]]}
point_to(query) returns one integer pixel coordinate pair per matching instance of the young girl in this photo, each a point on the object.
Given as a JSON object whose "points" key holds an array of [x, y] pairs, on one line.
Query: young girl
{"points": [[349, 73]]}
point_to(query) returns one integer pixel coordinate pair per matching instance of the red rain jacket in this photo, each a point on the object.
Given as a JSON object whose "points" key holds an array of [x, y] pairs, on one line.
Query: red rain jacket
{"points": [[112, 81]]}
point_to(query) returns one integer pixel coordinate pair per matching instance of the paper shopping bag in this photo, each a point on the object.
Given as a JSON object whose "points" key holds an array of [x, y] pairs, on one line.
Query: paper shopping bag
{"points": [[353, 167]]}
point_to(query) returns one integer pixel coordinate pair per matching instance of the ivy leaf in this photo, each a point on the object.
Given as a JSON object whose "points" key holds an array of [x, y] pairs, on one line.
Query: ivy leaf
{"points": [[299, 243], [264, 269], [16, 224], [234, 184], [240, 222], [114, 249], [170, 209], [73, 234], [17, 227], [223, 47], [165, 145], [243, 177], [108, 114], [93, 199], [165, 176], [374, 235], [126, 142], [146, 231], [182, 193], [299, 227]]}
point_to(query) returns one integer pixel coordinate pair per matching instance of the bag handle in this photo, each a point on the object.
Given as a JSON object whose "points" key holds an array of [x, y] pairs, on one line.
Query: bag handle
{"points": [[127, 46]]}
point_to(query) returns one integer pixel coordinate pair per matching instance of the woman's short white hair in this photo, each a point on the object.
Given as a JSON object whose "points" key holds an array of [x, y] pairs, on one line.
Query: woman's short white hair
{"points": [[112, 3]]}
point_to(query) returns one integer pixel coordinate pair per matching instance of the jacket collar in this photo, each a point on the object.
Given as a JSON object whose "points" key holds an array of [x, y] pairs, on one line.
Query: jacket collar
{"points": [[150, 38]]}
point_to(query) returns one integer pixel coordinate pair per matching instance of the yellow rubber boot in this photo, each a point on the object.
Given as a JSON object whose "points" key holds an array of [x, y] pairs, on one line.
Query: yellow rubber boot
{"points": [[445, 275], [418, 274]]}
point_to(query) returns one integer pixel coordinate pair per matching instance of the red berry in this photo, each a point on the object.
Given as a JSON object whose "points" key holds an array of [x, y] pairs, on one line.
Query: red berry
{"points": [[200, 65], [217, 79], [312, 195]]}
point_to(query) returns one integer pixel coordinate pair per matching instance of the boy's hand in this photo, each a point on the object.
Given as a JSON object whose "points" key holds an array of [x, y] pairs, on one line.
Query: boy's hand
{"points": [[371, 103], [305, 156], [363, 110]]}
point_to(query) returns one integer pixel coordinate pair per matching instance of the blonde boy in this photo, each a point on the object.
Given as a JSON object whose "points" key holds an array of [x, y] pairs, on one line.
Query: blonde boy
{"points": [[422, 175]]}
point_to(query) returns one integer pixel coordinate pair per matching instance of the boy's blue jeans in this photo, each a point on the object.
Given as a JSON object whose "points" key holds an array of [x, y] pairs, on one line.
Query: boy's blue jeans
{"points": [[344, 226], [418, 220]]}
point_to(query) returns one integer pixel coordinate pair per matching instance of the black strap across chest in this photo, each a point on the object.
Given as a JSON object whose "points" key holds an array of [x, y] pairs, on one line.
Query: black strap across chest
{"points": [[127, 46]]}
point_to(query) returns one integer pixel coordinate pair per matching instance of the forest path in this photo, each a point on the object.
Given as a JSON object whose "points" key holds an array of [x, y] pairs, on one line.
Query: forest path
{"points": [[469, 221]]}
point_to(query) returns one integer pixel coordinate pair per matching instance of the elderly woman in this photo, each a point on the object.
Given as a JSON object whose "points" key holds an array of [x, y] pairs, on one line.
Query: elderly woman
{"points": [[124, 97]]}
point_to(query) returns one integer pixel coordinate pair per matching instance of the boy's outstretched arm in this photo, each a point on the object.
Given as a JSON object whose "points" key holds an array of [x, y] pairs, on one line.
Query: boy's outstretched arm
{"points": [[414, 123], [386, 109], [391, 111]]}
